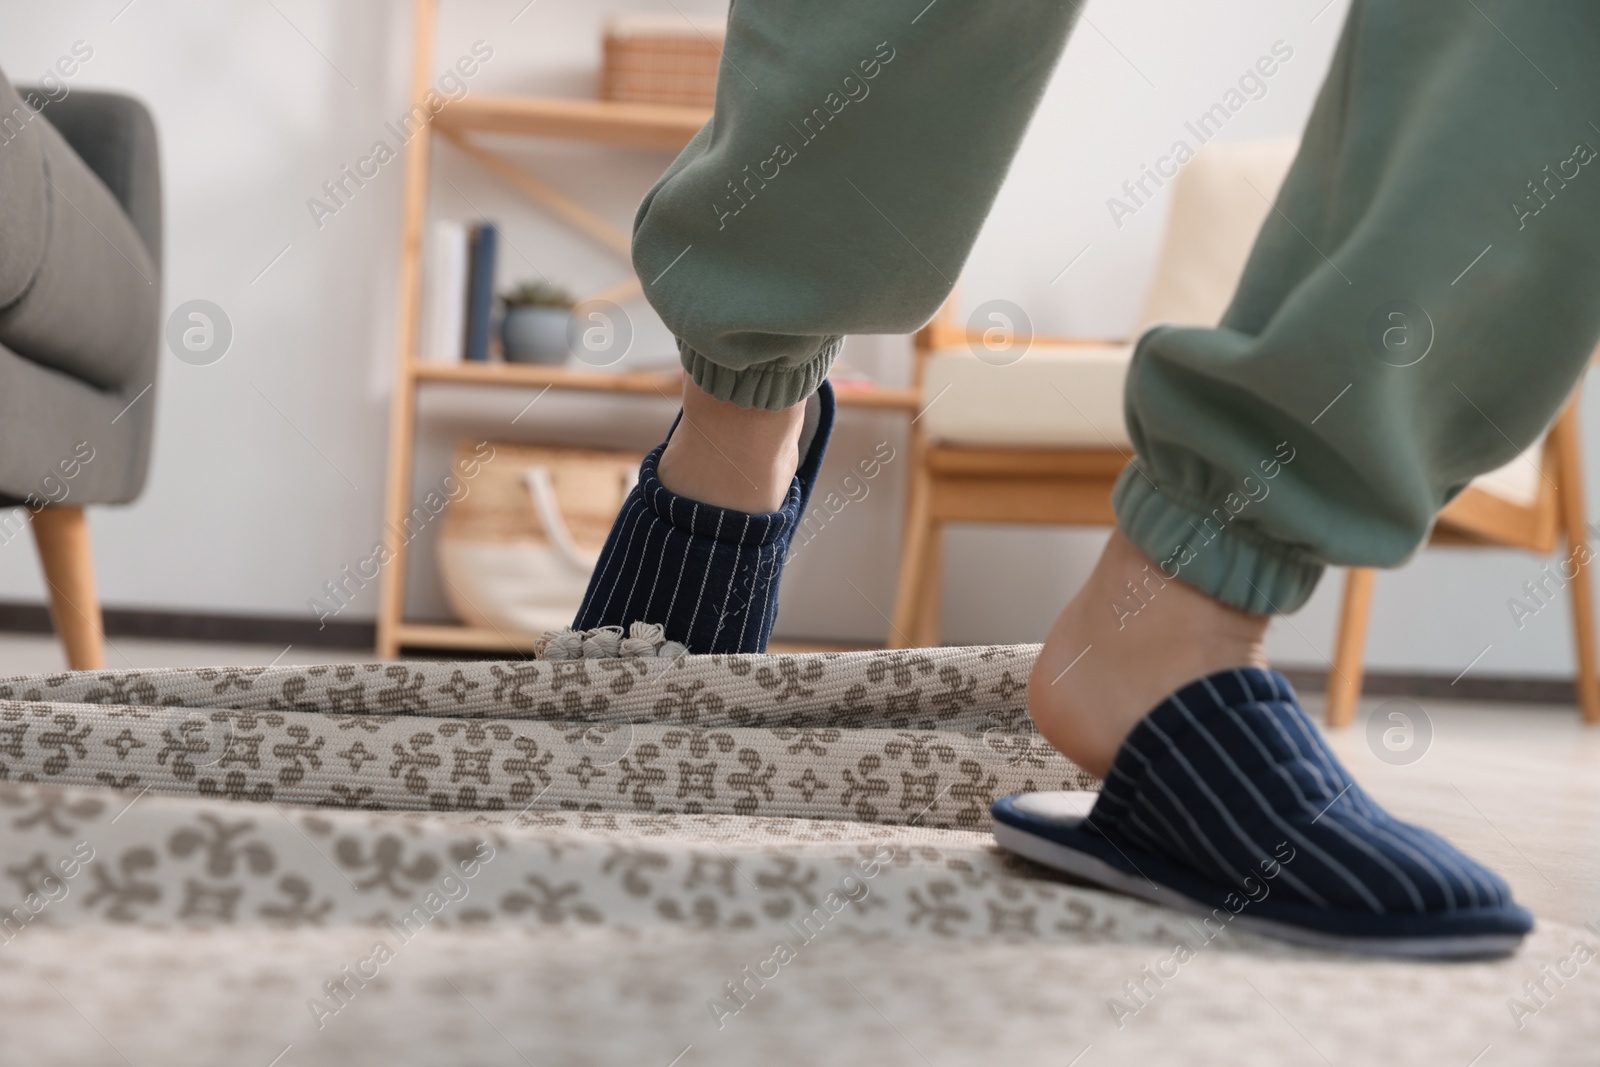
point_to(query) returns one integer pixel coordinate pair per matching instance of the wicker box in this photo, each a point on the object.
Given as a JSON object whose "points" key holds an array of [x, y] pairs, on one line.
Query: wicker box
{"points": [[521, 539], [661, 59]]}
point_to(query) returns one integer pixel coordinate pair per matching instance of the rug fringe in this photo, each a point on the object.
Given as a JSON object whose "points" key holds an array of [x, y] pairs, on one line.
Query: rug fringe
{"points": [[645, 640]]}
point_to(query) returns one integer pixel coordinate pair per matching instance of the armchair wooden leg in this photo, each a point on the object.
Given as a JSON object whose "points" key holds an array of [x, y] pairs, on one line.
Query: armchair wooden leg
{"points": [[1344, 680], [913, 552], [1583, 629], [1569, 480], [62, 536]]}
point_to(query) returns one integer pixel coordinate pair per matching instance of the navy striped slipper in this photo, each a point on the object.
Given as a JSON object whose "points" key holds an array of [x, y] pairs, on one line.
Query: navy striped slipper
{"points": [[1224, 802], [707, 575]]}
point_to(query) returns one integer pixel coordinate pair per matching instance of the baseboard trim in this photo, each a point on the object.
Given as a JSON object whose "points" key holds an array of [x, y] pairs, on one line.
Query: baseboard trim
{"points": [[1498, 689], [16, 617], [192, 626]]}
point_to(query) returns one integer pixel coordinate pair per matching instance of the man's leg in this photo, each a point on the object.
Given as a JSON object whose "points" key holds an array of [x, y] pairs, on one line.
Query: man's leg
{"points": [[700, 543], [1417, 308], [1415, 311], [854, 152]]}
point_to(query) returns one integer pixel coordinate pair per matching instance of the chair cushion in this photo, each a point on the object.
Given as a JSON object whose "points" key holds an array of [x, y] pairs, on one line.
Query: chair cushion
{"points": [[1070, 396], [67, 442], [116, 136], [1054, 396], [1059, 396], [1219, 202], [93, 308], [24, 218]]}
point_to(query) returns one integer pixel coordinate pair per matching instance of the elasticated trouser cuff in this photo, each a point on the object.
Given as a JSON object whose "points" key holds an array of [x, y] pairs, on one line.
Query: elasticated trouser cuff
{"points": [[772, 386], [1188, 541], [823, 199], [1413, 314], [1418, 302]]}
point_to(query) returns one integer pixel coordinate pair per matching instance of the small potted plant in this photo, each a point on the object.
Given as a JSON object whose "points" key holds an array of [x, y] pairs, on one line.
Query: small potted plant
{"points": [[534, 329]]}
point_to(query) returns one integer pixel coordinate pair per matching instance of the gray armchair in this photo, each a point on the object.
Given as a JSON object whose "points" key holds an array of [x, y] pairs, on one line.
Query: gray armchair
{"points": [[80, 324]]}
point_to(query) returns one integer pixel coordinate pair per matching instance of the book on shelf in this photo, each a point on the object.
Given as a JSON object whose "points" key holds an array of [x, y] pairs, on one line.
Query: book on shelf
{"points": [[484, 243], [444, 315]]}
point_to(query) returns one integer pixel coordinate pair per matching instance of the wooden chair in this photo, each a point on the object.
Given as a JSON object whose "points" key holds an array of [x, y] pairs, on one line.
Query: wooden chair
{"points": [[1041, 440], [998, 484], [80, 342], [1535, 503]]}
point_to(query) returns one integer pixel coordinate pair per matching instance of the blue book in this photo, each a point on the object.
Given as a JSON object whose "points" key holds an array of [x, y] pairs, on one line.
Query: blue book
{"points": [[480, 289]]}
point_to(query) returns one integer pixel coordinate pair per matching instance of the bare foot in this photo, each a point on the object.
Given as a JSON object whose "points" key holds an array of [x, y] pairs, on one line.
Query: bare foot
{"points": [[1127, 640], [732, 457]]}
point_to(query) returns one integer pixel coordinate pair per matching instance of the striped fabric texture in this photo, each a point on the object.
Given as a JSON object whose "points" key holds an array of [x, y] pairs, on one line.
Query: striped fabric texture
{"points": [[708, 575], [1230, 779]]}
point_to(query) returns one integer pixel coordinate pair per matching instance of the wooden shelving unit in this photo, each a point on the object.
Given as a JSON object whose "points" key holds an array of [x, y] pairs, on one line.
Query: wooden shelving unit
{"points": [[637, 383], [605, 121], [659, 127]]}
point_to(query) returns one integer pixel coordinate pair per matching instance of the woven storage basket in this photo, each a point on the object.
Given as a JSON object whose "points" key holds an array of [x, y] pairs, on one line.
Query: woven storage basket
{"points": [[656, 59], [517, 550]]}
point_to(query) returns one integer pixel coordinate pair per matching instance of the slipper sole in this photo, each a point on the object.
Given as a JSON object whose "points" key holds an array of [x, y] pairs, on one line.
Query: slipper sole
{"points": [[1059, 844]]}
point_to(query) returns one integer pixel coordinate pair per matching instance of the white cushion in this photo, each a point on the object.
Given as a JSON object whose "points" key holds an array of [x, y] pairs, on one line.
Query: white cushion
{"points": [[1055, 396], [1059, 396], [1063, 396], [1219, 202], [1518, 481]]}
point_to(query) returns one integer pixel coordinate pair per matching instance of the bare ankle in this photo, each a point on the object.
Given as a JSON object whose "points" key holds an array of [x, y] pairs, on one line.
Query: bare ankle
{"points": [[732, 457], [1110, 658]]}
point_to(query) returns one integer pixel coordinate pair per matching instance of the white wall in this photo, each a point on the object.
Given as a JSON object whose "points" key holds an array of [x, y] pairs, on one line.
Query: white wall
{"points": [[268, 464]]}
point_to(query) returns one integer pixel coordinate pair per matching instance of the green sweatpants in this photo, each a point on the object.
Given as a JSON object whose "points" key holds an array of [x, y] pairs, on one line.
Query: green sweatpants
{"points": [[1415, 310]]}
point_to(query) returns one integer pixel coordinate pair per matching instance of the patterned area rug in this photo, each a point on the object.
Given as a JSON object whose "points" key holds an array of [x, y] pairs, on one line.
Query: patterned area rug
{"points": [[752, 859], [885, 737]]}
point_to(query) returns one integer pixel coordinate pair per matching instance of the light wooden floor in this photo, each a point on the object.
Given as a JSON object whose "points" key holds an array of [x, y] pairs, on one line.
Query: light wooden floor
{"points": [[1517, 786], [39, 654]]}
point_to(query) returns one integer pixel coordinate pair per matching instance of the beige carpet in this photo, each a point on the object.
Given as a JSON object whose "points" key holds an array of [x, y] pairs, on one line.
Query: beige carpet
{"points": [[655, 861]]}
